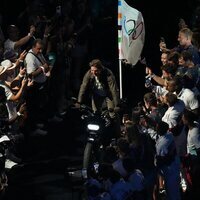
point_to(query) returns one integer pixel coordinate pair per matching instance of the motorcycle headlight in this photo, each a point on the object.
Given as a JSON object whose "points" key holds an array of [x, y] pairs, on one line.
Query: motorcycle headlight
{"points": [[93, 127]]}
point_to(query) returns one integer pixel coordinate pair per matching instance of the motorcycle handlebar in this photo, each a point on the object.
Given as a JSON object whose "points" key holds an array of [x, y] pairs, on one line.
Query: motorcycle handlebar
{"points": [[84, 107]]}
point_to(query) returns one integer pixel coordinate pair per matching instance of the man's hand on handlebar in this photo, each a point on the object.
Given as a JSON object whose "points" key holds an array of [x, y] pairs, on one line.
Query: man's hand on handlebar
{"points": [[77, 105]]}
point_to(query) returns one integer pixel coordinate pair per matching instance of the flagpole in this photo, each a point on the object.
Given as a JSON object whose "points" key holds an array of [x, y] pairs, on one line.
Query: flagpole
{"points": [[119, 46], [131, 36], [120, 79]]}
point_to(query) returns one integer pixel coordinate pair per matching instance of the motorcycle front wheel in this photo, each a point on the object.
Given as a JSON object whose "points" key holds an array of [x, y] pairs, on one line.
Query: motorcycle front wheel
{"points": [[87, 156]]}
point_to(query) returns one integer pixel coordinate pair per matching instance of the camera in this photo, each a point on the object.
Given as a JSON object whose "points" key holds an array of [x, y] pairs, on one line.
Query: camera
{"points": [[96, 167]]}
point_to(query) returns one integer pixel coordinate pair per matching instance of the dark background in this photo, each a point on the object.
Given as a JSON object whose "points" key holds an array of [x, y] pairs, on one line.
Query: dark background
{"points": [[42, 174]]}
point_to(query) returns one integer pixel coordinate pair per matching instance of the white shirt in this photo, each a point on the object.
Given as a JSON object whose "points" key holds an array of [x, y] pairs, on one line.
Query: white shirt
{"points": [[11, 105], [172, 114], [32, 64], [188, 97], [99, 88], [10, 45], [159, 91], [193, 139]]}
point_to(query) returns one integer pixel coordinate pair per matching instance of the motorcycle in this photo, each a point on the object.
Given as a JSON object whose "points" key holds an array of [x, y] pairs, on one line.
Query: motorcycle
{"points": [[100, 131], [99, 128]]}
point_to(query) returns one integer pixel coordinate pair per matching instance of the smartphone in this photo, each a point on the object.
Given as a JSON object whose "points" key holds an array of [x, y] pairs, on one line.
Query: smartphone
{"points": [[96, 167]]}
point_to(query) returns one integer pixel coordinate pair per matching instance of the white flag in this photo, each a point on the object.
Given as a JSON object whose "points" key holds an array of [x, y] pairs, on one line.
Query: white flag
{"points": [[132, 33]]}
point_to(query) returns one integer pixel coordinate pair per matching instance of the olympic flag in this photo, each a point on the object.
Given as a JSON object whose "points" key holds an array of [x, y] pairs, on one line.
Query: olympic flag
{"points": [[131, 36], [131, 33]]}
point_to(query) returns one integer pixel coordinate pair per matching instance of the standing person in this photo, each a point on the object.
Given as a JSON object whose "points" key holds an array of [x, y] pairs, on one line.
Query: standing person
{"points": [[38, 70], [193, 150], [186, 95], [167, 161]]}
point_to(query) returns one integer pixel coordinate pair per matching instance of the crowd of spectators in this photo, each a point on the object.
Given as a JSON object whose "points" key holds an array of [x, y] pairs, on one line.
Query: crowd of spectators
{"points": [[157, 153]]}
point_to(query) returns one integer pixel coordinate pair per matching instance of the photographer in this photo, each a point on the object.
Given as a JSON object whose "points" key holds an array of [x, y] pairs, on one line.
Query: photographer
{"points": [[36, 97]]}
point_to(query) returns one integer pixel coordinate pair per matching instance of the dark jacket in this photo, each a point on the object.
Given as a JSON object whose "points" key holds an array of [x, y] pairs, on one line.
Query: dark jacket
{"points": [[108, 82]]}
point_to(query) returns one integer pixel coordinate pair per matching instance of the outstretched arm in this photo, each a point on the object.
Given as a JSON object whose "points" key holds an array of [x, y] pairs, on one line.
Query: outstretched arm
{"points": [[25, 39]]}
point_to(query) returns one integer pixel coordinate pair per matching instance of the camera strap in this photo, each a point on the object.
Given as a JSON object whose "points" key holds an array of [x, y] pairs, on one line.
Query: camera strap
{"points": [[42, 62]]}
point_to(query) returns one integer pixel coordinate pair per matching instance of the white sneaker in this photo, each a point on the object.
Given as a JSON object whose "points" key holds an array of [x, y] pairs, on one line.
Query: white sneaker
{"points": [[38, 132], [9, 164], [183, 184]]}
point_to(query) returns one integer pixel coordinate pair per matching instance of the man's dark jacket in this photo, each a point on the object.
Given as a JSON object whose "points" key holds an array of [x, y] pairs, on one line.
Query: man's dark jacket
{"points": [[107, 79]]}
